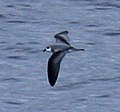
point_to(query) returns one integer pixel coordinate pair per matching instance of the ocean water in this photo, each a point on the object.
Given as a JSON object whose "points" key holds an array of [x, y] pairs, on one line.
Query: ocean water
{"points": [[88, 81]]}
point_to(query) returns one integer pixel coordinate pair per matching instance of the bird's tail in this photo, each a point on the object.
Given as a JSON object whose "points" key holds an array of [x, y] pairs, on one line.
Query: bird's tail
{"points": [[77, 49], [73, 49]]}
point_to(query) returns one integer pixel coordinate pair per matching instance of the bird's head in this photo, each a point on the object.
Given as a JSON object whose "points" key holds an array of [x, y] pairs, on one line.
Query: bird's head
{"points": [[47, 49]]}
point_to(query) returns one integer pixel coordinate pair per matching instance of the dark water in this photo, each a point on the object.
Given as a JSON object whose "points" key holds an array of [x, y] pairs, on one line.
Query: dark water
{"points": [[88, 82]]}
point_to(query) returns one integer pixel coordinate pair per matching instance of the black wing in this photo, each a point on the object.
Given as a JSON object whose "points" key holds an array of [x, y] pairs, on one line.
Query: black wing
{"points": [[62, 37], [54, 66]]}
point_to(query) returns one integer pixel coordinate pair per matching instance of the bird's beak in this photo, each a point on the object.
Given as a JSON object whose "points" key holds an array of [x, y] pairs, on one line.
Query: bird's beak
{"points": [[44, 50]]}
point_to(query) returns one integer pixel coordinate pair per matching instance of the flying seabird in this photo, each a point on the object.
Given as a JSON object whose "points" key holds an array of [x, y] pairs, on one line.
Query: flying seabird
{"points": [[58, 50]]}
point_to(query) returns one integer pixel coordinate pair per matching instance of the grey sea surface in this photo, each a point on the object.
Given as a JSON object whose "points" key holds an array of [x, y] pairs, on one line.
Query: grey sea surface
{"points": [[88, 81]]}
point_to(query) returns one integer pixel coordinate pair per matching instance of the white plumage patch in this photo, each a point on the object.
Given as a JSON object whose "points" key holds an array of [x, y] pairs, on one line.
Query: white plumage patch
{"points": [[48, 49]]}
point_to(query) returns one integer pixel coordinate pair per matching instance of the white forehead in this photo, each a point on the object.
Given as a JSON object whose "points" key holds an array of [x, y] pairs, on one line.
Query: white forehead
{"points": [[48, 49]]}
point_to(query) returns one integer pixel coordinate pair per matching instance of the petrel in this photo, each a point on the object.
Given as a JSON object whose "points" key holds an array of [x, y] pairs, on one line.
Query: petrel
{"points": [[59, 50]]}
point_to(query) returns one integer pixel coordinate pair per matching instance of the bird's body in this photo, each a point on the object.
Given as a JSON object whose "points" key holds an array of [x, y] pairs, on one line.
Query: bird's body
{"points": [[59, 50], [59, 47]]}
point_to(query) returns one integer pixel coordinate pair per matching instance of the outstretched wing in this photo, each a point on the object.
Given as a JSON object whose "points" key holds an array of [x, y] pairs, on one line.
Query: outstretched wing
{"points": [[54, 66], [62, 37]]}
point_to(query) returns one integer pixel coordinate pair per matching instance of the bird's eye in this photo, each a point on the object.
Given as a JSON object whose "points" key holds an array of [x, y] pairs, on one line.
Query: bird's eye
{"points": [[48, 47]]}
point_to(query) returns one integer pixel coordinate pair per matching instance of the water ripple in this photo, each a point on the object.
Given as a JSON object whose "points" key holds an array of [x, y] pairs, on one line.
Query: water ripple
{"points": [[103, 8], [20, 43], [16, 21], [13, 102], [11, 79], [8, 48], [112, 33], [3, 42], [25, 5], [34, 43], [74, 22], [17, 57], [2, 16], [92, 25], [103, 96], [72, 86], [10, 6], [108, 4], [107, 79], [82, 99]]}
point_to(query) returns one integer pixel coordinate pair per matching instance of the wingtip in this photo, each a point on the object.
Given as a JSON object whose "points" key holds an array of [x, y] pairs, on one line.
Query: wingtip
{"points": [[63, 32], [52, 84]]}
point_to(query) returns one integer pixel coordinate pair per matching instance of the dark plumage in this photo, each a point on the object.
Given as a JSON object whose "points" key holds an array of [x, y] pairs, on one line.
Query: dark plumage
{"points": [[54, 66]]}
